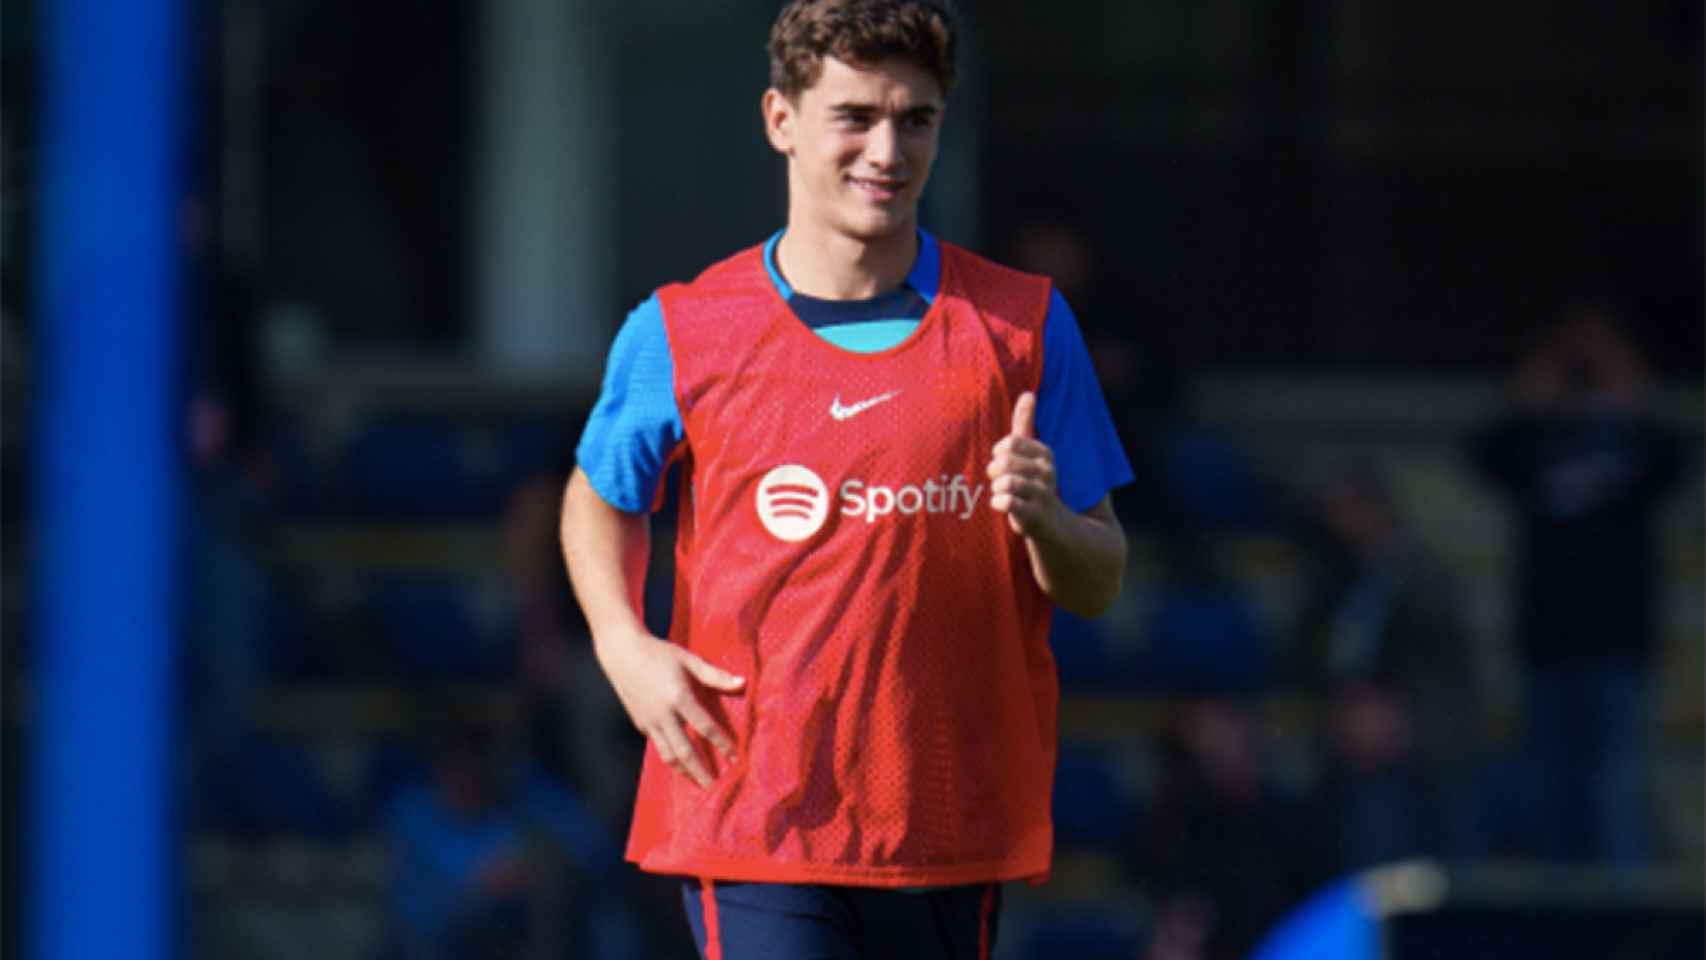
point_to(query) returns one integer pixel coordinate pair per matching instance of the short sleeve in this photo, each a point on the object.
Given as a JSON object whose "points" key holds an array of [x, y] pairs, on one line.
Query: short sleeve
{"points": [[1073, 417], [635, 427]]}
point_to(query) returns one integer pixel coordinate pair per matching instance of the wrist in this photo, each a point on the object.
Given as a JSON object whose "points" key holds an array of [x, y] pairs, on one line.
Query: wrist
{"points": [[1054, 530], [612, 641]]}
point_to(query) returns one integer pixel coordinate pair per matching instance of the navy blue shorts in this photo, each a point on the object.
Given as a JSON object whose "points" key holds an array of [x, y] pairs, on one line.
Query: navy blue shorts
{"points": [[746, 921]]}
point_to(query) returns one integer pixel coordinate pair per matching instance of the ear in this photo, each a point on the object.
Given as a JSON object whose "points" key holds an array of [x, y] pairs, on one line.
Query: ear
{"points": [[779, 119]]}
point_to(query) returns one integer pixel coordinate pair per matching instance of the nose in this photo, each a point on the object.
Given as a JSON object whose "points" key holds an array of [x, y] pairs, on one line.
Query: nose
{"points": [[882, 146]]}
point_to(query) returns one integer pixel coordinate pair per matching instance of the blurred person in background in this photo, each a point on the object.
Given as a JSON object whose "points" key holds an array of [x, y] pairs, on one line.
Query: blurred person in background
{"points": [[852, 725], [576, 729], [228, 654], [462, 865], [492, 858], [582, 753], [1386, 649], [1228, 851], [1205, 631], [1139, 360], [1585, 465]]}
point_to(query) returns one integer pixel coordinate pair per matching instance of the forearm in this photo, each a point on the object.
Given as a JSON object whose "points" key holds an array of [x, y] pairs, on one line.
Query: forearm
{"points": [[659, 683], [1080, 560], [606, 551]]}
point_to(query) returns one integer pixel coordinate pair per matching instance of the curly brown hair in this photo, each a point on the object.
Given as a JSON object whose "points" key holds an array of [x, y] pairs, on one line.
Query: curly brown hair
{"points": [[859, 31]]}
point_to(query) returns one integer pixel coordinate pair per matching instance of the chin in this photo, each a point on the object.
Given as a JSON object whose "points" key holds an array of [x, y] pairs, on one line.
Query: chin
{"points": [[880, 226]]}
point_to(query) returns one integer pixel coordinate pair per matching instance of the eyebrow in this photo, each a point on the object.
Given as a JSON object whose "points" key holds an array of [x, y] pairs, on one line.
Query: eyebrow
{"points": [[923, 109]]}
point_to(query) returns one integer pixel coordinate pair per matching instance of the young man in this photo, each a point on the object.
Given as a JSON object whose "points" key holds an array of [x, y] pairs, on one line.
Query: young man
{"points": [[894, 463]]}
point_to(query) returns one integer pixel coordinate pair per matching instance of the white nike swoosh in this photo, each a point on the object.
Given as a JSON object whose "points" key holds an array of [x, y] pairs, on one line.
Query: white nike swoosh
{"points": [[840, 412]]}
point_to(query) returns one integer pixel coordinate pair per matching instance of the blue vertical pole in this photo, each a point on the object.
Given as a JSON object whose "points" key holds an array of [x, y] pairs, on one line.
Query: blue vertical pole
{"points": [[105, 481]]}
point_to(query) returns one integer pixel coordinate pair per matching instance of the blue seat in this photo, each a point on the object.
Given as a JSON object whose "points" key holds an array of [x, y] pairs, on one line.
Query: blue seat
{"points": [[1089, 931], [1211, 483], [1096, 801], [438, 466], [413, 467], [1081, 653], [310, 482], [438, 628], [269, 787], [392, 764], [1208, 638]]}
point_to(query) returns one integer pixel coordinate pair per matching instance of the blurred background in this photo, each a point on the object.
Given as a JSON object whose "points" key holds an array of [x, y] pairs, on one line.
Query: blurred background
{"points": [[1399, 307]]}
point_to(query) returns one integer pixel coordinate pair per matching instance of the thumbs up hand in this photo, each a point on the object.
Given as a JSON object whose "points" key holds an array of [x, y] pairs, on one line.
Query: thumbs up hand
{"points": [[1021, 474]]}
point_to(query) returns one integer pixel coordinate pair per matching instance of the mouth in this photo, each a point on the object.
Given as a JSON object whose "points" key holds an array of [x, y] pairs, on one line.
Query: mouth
{"points": [[879, 189]]}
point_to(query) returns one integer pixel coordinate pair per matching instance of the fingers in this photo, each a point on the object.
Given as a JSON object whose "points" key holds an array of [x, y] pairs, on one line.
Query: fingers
{"points": [[1025, 466], [699, 719], [1021, 471], [714, 677], [695, 713], [1025, 415], [1014, 488], [1024, 504], [1028, 448], [679, 753], [674, 746], [659, 685]]}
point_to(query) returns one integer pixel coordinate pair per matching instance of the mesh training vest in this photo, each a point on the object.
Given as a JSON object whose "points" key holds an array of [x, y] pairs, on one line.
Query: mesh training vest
{"points": [[836, 548]]}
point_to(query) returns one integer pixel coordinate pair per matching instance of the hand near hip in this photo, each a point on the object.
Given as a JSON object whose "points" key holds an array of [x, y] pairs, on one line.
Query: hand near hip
{"points": [[661, 685]]}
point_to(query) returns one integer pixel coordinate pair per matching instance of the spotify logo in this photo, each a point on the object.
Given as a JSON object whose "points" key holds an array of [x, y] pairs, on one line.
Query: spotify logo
{"points": [[792, 502]]}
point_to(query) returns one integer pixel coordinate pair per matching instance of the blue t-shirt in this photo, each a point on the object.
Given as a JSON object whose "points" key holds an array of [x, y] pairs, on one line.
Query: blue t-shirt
{"points": [[635, 427], [866, 326]]}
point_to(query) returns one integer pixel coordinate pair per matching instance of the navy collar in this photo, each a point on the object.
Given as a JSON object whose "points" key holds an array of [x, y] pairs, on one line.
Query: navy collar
{"points": [[924, 277]]}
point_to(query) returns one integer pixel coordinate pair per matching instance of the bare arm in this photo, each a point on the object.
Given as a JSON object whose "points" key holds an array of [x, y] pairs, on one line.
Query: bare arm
{"points": [[1082, 565], [1077, 558], [606, 550], [658, 682]]}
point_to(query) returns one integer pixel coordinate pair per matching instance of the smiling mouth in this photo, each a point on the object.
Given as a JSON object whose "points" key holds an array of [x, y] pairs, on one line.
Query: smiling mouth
{"points": [[879, 189]]}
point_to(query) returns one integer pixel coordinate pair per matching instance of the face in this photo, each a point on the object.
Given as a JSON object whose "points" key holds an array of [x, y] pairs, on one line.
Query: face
{"points": [[1356, 516], [859, 143]]}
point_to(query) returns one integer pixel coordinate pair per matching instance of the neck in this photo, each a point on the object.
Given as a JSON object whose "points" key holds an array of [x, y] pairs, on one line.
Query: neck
{"points": [[1379, 546], [830, 265]]}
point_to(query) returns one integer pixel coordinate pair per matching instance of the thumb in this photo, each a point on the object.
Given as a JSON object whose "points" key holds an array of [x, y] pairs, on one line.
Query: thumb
{"points": [[710, 676], [1025, 416]]}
